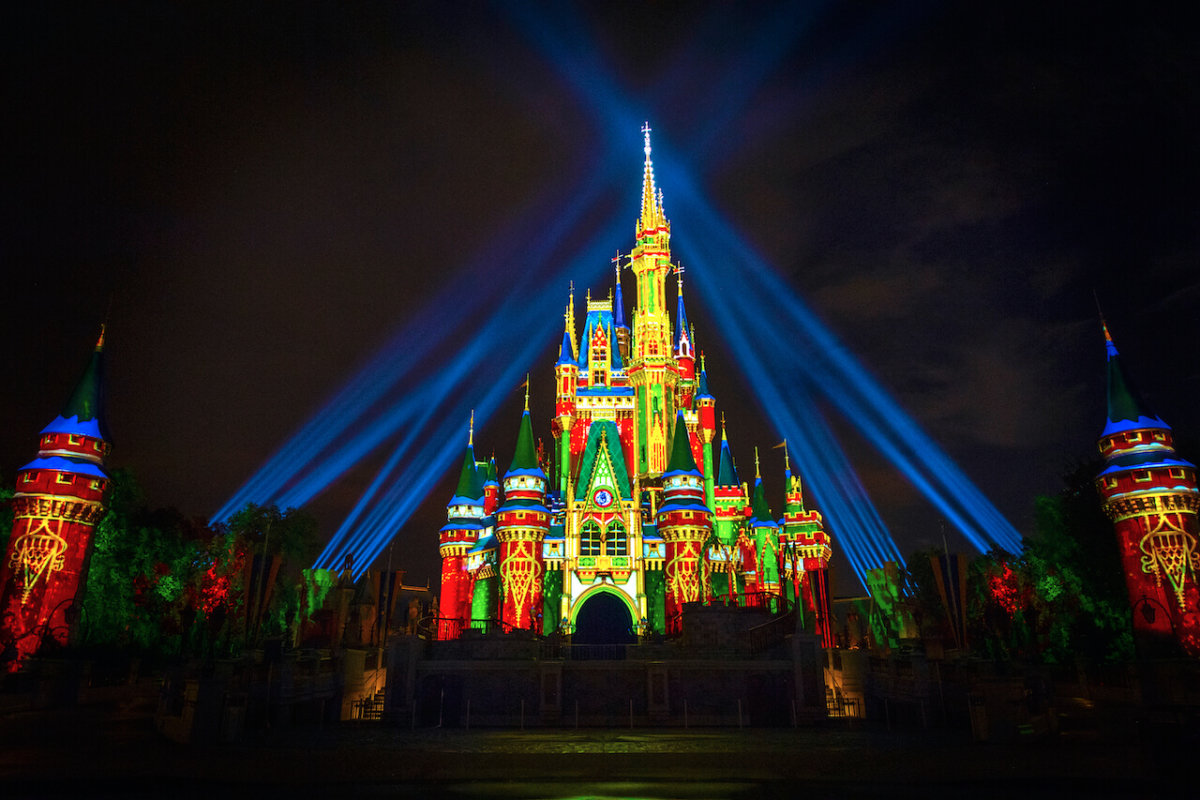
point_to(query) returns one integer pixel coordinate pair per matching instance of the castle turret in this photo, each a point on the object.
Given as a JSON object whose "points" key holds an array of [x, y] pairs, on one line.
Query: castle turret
{"points": [[566, 383], [652, 370], [805, 550], [731, 509], [464, 514], [58, 501], [765, 536], [1150, 494], [706, 430], [685, 351], [491, 488], [685, 524], [521, 525], [623, 333]]}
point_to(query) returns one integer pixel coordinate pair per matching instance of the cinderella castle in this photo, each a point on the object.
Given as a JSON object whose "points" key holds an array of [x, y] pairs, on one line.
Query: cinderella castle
{"points": [[633, 509]]}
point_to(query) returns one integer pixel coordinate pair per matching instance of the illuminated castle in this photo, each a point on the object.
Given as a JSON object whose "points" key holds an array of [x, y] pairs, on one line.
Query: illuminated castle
{"points": [[635, 509], [1151, 496], [56, 505]]}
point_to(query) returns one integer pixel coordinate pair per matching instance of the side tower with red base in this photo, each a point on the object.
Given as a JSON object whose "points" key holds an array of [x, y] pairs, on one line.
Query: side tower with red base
{"points": [[461, 532], [521, 526], [59, 499], [806, 551], [1151, 496], [685, 524]]}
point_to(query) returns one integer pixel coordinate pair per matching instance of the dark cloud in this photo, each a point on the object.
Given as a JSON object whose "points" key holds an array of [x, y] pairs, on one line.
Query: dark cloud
{"points": [[255, 198]]}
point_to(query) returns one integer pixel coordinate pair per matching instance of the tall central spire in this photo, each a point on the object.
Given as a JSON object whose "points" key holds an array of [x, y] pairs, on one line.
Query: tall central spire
{"points": [[652, 216]]}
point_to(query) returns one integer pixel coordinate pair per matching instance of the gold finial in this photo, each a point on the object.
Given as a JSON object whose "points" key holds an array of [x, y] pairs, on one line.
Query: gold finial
{"points": [[702, 369], [679, 277], [757, 473], [100, 341], [471, 430], [787, 464], [589, 295], [527, 391], [722, 426]]}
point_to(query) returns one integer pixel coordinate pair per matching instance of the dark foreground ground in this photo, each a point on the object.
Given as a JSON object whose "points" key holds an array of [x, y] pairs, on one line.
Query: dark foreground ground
{"points": [[109, 749]]}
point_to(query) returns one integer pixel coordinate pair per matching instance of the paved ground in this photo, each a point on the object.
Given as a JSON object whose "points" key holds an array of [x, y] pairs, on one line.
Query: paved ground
{"points": [[111, 749]]}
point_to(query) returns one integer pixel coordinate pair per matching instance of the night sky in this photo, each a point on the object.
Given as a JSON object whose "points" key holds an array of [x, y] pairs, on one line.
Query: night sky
{"points": [[255, 197]]}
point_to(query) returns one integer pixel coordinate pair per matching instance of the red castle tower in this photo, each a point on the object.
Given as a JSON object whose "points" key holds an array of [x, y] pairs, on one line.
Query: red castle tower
{"points": [[685, 524], [521, 526], [456, 538], [1151, 496], [59, 499]]}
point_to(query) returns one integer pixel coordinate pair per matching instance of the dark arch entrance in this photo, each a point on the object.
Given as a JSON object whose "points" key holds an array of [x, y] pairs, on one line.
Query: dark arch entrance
{"points": [[604, 619]]}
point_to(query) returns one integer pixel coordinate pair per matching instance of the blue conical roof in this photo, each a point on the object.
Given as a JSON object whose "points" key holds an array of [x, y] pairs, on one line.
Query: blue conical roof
{"points": [[619, 307], [566, 354], [682, 332], [727, 473]]}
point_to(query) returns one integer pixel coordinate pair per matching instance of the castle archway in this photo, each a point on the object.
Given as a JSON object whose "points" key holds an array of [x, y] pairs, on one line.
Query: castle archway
{"points": [[603, 616]]}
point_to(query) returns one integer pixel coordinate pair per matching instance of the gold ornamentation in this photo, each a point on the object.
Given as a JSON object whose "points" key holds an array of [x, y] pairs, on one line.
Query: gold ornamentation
{"points": [[38, 551], [1171, 551], [520, 571]]}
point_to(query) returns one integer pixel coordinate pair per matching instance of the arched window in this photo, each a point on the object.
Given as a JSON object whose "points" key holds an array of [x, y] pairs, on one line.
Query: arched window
{"points": [[589, 538], [617, 541]]}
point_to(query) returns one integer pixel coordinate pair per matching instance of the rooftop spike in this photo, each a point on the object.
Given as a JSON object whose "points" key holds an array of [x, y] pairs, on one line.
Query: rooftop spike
{"points": [[471, 430], [1126, 408], [651, 201], [83, 413]]}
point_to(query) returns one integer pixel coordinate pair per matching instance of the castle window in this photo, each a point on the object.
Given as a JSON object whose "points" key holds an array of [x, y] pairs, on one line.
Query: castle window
{"points": [[30, 477], [618, 540], [1135, 436], [1178, 473], [1142, 477], [64, 477], [73, 439], [1110, 483], [95, 485], [590, 539]]}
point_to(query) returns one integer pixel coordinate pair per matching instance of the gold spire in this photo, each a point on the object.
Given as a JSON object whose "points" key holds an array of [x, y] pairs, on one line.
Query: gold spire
{"points": [[757, 473], [100, 341], [571, 322], [527, 391], [723, 426], [651, 200], [471, 430]]}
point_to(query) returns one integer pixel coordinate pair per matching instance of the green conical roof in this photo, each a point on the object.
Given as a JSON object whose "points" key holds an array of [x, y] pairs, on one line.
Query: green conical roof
{"points": [[682, 459], [470, 486], [1126, 408], [525, 458], [758, 505], [83, 412]]}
